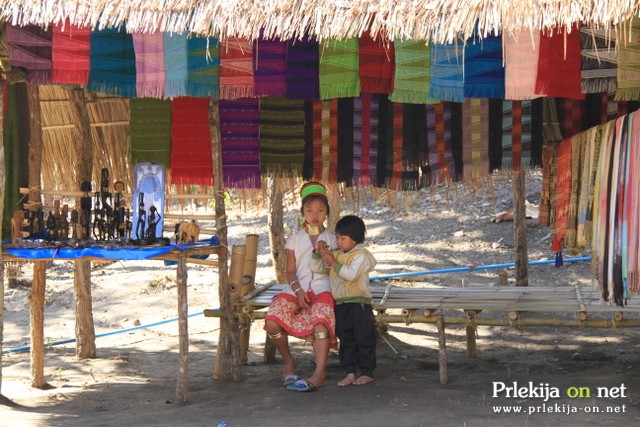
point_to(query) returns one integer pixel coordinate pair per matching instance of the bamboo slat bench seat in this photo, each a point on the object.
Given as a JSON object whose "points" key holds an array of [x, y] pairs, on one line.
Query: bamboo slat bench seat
{"points": [[556, 306]]}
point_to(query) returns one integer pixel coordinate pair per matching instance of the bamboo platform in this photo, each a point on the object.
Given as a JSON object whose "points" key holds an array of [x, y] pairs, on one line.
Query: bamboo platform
{"points": [[554, 306]]}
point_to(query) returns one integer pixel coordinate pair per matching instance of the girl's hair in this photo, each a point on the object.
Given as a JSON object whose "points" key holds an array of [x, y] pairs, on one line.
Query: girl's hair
{"points": [[352, 226], [313, 198]]}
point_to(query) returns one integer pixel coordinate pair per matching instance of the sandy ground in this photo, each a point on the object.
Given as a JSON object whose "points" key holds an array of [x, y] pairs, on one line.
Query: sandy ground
{"points": [[133, 379]]}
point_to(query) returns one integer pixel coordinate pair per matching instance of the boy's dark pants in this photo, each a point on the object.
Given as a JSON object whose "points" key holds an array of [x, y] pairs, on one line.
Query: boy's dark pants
{"points": [[356, 329]]}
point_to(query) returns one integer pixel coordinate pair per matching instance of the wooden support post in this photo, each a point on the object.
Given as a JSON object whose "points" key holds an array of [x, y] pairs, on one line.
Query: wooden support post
{"points": [[248, 284], [442, 351], [85, 332], [183, 329], [471, 329], [278, 253], [35, 146], [36, 317], [227, 364], [520, 229]]}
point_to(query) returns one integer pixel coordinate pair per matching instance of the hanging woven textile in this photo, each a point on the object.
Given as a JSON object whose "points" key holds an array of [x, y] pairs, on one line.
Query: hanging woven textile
{"points": [[633, 207], [113, 63], [599, 64], [571, 116], [578, 149], [395, 163], [447, 71], [438, 122], [282, 133], [318, 112], [270, 63], [628, 58], [330, 140], [203, 67], [307, 167], [413, 72], [376, 64], [618, 242], [302, 69], [338, 69], [150, 130], [587, 186], [70, 54], [364, 148], [191, 158], [240, 138], [150, 76], [521, 50], [484, 68], [30, 48], [563, 192], [175, 68], [414, 143], [475, 138], [345, 140], [559, 64], [236, 69], [385, 141]]}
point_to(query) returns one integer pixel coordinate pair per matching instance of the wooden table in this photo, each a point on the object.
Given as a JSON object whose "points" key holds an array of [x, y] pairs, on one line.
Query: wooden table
{"points": [[85, 335]]}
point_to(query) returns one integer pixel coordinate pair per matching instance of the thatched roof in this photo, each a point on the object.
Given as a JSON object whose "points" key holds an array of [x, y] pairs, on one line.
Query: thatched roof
{"points": [[436, 20]]}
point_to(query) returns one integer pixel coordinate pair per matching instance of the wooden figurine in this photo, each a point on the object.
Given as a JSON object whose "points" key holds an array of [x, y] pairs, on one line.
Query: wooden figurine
{"points": [[17, 220], [187, 232]]}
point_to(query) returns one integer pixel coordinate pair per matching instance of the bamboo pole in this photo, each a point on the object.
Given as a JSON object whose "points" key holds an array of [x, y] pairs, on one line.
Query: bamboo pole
{"points": [[183, 329], [248, 285], [442, 350], [36, 319]]}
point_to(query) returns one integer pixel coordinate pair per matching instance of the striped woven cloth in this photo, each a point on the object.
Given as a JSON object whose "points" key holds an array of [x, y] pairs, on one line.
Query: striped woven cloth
{"points": [[303, 60], [628, 58], [175, 69], [413, 72], [633, 207], [447, 72], [578, 149], [521, 64], [559, 65], [376, 64], [30, 48], [484, 68], [113, 63], [270, 63], [236, 69], [203, 67], [365, 139], [70, 54], [282, 132], [599, 64], [150, 130], [191, 158], [440, 158], [240, 138], [475, 138], [563, 190], [150, 75], [346, 139], [338, 69]]}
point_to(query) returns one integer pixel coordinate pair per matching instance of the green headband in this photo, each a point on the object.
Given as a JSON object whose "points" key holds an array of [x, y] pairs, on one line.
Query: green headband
{"points": [[313, 188]]}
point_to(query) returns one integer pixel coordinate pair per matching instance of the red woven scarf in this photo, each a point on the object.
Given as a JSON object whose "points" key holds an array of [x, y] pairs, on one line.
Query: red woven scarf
{"points": [[376, 64], [236, 69], [70, 61], [560, 65]]}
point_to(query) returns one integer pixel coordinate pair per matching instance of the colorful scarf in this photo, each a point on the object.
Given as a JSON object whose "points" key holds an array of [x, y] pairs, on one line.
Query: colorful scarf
{"points": [[483, 68], [628, 57], [320, 117], [330, 140], [70, 54], [282, 133], [559, 65], [175, 67], [30, 48], [521, 64], [150, 130], [548, 156], [345, 140], [236, 69], [364, 149], [338, 72], [475, 138], [587, 186], [599, 68], [204, 67], [440, 161], [571, 116], [413, 72], [395, 157], [414, 137], [633, 207], [150, 76], [447, 72], [307, 167], [578, 148], [191, 158], [113, 63], [454, 146], [563, 191], [270, 64], [303, 60], [240, 137], [497, 153], [376, 64], [385, 141]]}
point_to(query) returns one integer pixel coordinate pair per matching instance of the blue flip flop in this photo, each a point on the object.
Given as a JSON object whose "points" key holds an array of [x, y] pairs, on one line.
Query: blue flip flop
{"points": [[290, 379], [302, 385]]}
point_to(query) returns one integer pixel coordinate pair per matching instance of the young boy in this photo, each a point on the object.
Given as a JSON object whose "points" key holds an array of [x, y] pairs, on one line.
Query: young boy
{"points": [[349, 268]]}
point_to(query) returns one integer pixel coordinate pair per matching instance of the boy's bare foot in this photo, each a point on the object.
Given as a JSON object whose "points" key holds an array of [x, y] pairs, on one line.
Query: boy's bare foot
{"points": [[348, 380], [363, 379]]}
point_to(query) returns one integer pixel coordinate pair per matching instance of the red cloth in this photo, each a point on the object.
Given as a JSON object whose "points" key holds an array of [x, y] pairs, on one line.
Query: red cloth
{"points": [[236, 69], [191, 161], [560, 65], [376, 64], [71, 58], [563, 190]]}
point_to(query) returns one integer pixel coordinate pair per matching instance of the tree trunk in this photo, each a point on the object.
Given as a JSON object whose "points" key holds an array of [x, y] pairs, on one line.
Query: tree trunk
{"points": [[276, 231], [520, 232], [227, 366]]}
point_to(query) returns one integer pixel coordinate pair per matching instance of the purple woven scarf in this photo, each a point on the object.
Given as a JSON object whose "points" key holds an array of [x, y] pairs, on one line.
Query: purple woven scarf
{"points": [[270, 65], [30, 48], [303, 62]]}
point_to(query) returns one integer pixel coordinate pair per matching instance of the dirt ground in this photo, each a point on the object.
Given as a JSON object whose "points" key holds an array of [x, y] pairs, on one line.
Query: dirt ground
{"points": [[133, 379]]}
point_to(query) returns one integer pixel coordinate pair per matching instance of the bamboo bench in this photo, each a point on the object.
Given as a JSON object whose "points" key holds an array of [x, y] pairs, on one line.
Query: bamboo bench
{"points": [[471, 307]]}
